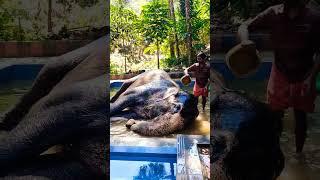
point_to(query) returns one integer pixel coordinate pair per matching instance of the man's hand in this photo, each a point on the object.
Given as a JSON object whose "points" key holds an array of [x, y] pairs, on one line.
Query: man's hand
{"points": [[248, 44]]}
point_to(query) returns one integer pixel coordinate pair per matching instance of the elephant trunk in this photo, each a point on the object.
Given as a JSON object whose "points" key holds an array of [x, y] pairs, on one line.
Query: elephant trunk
{"points": [[160, 126]]}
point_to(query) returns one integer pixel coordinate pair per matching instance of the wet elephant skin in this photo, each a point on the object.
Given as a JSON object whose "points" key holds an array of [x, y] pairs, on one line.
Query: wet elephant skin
{"points": [[244, 139]]}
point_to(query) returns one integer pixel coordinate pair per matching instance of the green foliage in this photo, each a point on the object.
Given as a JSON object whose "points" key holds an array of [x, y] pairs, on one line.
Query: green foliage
{"points": [[175, 62], [135, 32], [200, 23], [155, 22], [114, 70], [10, 21], [28, 20], [82, 3]]}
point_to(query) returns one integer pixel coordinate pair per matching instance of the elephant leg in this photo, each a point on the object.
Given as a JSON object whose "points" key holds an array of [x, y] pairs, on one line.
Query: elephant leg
{"points": [[124, 87], [121, 104], [47, 78], [159, 126], [124, 116], [51, 167]]}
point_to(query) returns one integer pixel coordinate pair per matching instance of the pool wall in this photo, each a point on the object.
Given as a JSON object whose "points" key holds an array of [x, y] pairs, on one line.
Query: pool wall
{"points": [[142, 153], [262, 73]]}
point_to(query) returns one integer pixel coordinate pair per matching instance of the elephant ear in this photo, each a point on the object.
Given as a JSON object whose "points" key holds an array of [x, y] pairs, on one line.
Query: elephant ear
{"points": [[170, 91]]}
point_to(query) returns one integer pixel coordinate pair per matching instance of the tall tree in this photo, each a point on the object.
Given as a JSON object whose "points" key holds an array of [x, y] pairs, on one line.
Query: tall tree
{"points": [[155, 23], [189, 31], [173, 17], [171, 39], [49, 16], [123, 30]]}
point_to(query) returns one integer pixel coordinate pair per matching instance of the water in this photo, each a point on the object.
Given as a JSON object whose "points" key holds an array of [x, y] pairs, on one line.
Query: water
{"points": [[11, 92], [306, 166], [204, 154], [140, 170], [201, 126]]}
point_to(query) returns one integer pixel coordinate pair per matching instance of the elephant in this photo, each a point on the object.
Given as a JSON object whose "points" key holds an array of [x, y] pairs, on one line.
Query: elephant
{"points": [[244, 138], [153, 104], [67, 105]]}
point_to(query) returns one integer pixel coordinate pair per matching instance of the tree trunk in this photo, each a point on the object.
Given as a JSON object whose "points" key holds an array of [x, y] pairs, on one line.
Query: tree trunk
{"points": [[189, 31], [49, 16], [20, 28], [125, 64], [158, 54], [125, 57], [172, 15], [171, 39]]}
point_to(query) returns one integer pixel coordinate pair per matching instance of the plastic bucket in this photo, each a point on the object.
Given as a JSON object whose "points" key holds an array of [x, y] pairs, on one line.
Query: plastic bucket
{"points": [[243, 60]]}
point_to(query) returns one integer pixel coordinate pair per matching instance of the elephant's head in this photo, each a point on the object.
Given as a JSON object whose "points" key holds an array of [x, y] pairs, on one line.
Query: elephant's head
{"points": [[244, 139], [189, 103]]}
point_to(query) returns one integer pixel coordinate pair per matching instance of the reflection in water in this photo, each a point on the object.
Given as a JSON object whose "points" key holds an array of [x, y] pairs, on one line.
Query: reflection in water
{"points": [[204, 154], [153, 171], [307, 165], [142, 170], [201, 126]]}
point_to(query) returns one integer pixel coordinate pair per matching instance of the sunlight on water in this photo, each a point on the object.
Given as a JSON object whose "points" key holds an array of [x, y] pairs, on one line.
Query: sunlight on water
{"points": [[306, 166]]}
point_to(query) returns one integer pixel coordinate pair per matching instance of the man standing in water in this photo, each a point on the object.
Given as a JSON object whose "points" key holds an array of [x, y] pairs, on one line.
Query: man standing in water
{"points": [[201, 72], [295, 35]]}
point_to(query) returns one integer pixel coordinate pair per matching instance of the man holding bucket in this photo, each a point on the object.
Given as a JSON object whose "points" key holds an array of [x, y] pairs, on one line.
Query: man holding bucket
{"points": [[294, 30], [201, 72]]}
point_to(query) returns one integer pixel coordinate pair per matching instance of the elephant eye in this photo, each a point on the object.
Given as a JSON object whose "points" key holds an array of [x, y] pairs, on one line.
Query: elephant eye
{"points": [[177, 108]]}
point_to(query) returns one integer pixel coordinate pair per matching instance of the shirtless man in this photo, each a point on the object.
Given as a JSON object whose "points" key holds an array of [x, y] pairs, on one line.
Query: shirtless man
{"points": [[294, 30], [201, 72]]}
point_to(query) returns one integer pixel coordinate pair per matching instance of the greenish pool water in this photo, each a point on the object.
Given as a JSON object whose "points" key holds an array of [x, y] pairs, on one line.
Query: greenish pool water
{"points": [[11, 92], [307, 166]]}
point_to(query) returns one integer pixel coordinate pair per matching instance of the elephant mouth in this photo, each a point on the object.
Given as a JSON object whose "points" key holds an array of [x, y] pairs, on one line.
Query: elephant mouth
{"points": [[190, 109]]}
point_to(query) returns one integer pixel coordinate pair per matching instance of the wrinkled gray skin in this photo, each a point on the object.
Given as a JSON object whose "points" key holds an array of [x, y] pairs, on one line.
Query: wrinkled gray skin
{"points": [[244, 140], [153, 104], [66, 105]]}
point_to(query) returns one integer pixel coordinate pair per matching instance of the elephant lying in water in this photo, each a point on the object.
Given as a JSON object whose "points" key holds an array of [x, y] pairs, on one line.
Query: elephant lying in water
{"points": [[66, 105], [244, 138], [154, 103]]}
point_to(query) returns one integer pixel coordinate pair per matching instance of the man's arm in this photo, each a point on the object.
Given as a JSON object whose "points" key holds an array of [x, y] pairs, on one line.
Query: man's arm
{"points": [[189, 69], [261, 22]]}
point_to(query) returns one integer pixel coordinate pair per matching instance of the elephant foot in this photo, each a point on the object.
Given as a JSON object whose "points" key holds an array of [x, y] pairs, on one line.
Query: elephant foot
{"points": [[130, 122]]}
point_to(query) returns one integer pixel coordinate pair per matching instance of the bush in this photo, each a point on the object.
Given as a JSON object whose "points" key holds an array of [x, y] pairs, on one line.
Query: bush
{"points": [[176, 63]]}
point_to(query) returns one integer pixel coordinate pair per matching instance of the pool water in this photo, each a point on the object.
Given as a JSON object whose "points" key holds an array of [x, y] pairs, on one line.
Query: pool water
{"points": [[141, 168], [11, 92], [201, 126], [307, 166]]}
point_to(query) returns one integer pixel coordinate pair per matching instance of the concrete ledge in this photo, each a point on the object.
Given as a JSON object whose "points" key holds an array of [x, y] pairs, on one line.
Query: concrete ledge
{"points": [[10, 49]]}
